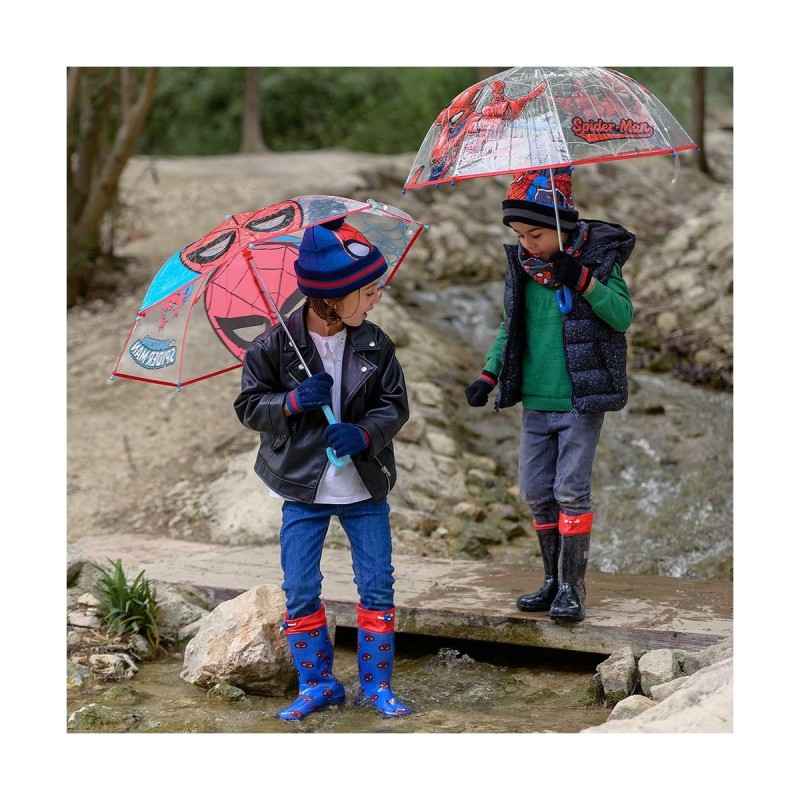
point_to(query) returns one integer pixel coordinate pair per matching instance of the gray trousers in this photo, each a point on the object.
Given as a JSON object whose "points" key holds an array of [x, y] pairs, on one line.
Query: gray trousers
{"points": [[556, 454]]}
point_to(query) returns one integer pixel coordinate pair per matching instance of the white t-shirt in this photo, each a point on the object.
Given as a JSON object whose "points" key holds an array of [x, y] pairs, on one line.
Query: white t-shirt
{"points": [[339, 485]]}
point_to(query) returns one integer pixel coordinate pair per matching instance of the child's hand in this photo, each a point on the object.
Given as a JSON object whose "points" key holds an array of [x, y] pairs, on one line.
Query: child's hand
{"points": [[568, 272], [313, 392], [346, 439], [478, 392]]}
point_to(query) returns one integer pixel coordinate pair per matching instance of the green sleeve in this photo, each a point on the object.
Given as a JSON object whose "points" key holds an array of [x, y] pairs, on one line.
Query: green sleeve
{"points": [[494, 362], [612, 301]]}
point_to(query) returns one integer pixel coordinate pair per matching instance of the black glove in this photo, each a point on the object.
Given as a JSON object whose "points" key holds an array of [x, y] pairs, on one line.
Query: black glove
{"points": [[313, 392], [568, 272], [478, 392], [346, 439]]}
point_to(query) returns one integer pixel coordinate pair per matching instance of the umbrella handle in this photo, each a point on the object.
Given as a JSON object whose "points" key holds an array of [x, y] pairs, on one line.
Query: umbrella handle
{"points": [[332, 457], [563, 294], [564, 298]]}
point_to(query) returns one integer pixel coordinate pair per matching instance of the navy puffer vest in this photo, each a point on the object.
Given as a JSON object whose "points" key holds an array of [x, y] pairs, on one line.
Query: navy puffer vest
{"points": [[596, 354]]}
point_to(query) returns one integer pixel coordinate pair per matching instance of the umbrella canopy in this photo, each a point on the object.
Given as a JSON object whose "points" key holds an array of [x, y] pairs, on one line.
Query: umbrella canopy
{"points": [[213, 297], [539, 117]]}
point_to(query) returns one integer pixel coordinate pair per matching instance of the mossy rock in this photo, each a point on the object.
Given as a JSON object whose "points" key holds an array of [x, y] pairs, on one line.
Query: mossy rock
{"points": [[121, 695], [590, 695], [226, 691], [96, 717]]}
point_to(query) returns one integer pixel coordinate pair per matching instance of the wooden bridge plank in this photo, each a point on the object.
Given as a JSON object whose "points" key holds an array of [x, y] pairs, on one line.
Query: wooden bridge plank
{"points": [[451, 598]]}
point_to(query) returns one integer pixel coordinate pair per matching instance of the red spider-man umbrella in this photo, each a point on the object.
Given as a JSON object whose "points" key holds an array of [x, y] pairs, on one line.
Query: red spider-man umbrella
{"points": [[543, 118], [213, 297]]}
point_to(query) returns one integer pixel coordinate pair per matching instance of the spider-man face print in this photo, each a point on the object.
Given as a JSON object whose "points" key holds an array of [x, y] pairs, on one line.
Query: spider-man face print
{"points": [[234, 298], [235, 302]]}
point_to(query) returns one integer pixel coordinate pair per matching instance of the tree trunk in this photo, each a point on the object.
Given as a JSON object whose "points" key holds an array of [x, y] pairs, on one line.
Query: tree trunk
{"points": [[107, 108], [104, 185], [486, 72], [699, 117], [252, 138]]}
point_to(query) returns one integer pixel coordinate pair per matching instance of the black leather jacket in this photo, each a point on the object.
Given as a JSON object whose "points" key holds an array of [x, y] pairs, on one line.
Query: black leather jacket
{"points": [[292, 457]]}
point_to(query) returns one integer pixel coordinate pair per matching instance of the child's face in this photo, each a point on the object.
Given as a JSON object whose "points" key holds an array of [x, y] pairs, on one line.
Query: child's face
{"points": [[355, 306], [539, 242]]}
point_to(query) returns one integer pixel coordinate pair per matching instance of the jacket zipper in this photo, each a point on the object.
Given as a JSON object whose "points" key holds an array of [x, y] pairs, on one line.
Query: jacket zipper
{"points": [[386, 473]]}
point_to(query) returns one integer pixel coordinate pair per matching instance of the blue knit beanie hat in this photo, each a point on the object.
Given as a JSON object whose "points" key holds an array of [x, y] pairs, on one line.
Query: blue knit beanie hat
{"points": [[336, 259], [530, 200]]}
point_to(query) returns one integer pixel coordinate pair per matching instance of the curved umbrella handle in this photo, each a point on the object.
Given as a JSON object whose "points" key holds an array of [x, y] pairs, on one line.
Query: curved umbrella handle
{"points": [[332, 457], [564, 298]]}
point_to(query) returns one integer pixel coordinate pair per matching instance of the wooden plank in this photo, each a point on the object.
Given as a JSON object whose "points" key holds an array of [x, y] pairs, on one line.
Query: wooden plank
{"points": [[451, 598]]}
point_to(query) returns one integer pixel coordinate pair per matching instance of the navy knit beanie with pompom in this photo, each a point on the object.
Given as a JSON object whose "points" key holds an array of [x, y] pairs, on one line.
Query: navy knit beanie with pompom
{"points": [[336, 259]]}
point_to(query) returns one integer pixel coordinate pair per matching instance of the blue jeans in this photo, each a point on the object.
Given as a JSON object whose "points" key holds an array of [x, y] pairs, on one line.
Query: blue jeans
{"points": [[302, 535], [556, 453]]}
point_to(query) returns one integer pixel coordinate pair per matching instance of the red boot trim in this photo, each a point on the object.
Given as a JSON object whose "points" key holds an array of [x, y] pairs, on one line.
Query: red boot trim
{"points": [[303, 624], [574, 526], [375, 621], [545, 526]]}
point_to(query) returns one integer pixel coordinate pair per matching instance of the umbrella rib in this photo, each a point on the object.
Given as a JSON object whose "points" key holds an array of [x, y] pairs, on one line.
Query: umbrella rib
{"points": [[557, 127], [268, 297]]}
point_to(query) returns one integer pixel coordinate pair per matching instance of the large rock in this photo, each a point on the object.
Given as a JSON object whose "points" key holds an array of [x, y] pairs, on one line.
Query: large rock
{"points": [[657, 667], [618, 675], [241, 642]]}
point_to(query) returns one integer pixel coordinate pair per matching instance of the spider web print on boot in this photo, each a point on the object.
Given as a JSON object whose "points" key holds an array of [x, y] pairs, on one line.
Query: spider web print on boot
{"points": [[376, 662], [312, 653]]}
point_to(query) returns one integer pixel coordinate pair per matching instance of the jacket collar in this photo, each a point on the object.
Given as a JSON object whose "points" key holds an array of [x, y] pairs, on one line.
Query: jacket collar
{"points": [[361, 338]]}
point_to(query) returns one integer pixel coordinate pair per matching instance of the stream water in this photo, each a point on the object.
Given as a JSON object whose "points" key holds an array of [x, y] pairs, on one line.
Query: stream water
{"points": [[662, 484], [453, 687]]}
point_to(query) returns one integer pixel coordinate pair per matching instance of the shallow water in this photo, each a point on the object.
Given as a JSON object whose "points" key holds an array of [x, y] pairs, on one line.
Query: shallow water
{"points": [[453, 687]]}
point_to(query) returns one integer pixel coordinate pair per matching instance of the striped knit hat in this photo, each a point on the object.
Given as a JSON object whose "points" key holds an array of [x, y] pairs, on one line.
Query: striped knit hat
{"points": [[336, 259], [530, 200]]}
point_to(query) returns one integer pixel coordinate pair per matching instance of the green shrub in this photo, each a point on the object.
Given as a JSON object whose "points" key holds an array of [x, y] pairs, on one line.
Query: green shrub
{"points": [[128, 608]]}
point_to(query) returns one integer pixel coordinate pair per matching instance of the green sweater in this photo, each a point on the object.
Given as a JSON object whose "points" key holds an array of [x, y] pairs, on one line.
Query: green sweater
{"points": [[545, 383]]}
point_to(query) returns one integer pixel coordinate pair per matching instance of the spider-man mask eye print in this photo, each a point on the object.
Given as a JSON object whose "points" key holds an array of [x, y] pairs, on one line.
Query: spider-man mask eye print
{"points": [[233, 300]]}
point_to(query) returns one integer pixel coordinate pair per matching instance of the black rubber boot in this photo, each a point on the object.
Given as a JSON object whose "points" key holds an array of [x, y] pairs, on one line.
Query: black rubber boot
{"points": [[569, 602], [542, 599]]}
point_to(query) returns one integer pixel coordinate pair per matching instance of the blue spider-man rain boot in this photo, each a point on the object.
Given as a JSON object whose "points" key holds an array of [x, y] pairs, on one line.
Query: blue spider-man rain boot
{"points": [[376, 662], [312, 653]]}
